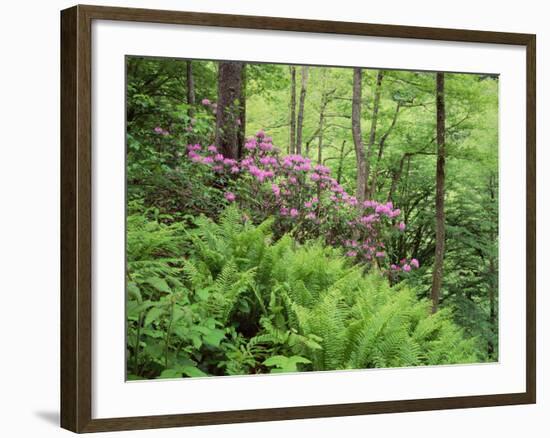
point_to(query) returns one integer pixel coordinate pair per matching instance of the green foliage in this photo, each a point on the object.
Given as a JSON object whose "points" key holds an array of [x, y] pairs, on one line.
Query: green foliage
{"points": [[239, 303], [211, 291]]}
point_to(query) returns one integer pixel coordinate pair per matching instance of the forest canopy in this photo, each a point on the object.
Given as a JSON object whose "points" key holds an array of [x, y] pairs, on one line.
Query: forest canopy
{"points": [[286, 218]]}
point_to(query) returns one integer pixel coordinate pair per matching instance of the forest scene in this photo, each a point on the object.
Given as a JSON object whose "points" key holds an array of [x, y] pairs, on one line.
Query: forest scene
{"points": [[293, 218]]}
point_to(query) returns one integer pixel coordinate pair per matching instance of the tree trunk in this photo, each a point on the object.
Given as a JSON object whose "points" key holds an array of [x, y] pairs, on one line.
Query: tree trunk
{"points": [[229, 108], [372, 185], [241, 122], [356, 132], [190, 88], [374, 122], [493, 283], [341, 163], [437, 276], [300, 125], [396, 177], [292, 115], [321, 128]]}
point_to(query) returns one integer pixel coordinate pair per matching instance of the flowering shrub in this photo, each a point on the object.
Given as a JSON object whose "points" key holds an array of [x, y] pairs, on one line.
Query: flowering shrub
{"points": [[305, 200]]}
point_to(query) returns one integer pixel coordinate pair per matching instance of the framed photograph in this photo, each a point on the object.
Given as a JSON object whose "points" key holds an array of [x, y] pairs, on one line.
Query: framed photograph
{"points": [[270, 218]]}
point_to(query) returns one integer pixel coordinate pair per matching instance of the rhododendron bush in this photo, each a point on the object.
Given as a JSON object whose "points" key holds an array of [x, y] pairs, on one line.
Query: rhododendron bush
{"points": [[305, 199]]}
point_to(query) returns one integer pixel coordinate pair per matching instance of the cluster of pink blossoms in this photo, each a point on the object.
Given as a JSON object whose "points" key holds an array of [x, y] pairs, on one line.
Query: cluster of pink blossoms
{"points": [[305, 198], [160, 131], [212, 105], [405, 265]]}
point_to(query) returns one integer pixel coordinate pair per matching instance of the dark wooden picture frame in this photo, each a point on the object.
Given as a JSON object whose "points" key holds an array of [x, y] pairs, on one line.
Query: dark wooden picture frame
{"points": [[76, 218]]}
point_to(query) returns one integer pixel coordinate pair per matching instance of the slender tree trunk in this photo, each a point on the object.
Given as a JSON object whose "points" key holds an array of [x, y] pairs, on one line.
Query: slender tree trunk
{"points": [[437, 276], [300, 125], [324, 102], [356, 132], [493, 283], [372, 185], [241, 122], [229, 108], [341, 162], [292, 115], [492, 306], [190, 88], [321, 129], [396, 177], [374, 122]]}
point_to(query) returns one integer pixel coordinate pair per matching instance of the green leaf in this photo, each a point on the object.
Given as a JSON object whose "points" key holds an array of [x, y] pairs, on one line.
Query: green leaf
{"points": [[133, 290], [133, 308], [159, 284], [212, 337], [193, 372], [202, 294], [153, 315], [170, 373], [285, 364]]}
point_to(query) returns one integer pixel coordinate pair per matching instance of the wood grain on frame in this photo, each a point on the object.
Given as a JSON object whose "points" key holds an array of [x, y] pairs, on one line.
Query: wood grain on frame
{"points": [[76, 218]]}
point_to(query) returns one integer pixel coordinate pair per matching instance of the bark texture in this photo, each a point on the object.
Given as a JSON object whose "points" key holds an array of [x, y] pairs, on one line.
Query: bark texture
{"points": [[356, 132], [437, 276], [190, 88], [292, 115], [373, 126], [300, 125], [229, 108]]}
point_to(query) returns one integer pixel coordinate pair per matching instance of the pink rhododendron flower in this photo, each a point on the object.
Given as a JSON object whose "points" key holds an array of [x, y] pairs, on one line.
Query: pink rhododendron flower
{"points": [[415, 263], [264, 146], [250, 145], [406, 268], [293, 212], [205, 102], [212, 149], [229, 196], [323, 170]]}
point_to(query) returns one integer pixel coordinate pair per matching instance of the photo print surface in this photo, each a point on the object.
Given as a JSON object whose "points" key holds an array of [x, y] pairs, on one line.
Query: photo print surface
{"points": [[295, 218]]}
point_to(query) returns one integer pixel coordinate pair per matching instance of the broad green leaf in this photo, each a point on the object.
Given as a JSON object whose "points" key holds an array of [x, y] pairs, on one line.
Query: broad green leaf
{"points": [[133, 290], [159, 284], [193, 371], [170, 373], [153, 315], [285, 364]]}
